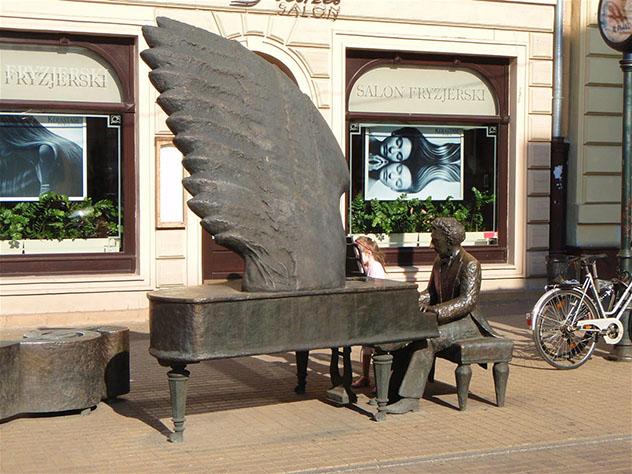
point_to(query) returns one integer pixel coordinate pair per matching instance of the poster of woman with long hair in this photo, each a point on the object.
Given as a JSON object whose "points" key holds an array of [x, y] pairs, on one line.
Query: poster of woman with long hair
{"points": [[42, 153], [420, 162]]}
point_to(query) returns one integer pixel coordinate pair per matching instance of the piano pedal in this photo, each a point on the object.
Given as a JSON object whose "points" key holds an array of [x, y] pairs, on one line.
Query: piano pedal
{"points": [[339, 395]]}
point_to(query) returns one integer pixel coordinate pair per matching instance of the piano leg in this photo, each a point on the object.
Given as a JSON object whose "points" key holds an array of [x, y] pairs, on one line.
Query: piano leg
{"points": [[382, 362], [302, 359], [341, 393], [178, 377], [334, 369], [347, 374]]}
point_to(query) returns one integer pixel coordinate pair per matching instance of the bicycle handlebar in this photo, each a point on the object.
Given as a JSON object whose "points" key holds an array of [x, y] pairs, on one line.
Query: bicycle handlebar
{"points": [[625, 277], [588, 259]]}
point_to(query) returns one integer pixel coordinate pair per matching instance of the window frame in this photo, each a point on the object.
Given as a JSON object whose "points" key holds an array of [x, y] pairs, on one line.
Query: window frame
{"points": [[495, 72], [120, 53]]}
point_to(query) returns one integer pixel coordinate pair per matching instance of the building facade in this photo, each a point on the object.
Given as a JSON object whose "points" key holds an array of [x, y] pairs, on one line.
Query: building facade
{"points": [[594, 135], [470, 80]]}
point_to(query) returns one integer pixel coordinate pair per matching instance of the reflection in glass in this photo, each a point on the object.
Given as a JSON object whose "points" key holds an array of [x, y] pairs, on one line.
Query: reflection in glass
{"points": [[38, 156]]}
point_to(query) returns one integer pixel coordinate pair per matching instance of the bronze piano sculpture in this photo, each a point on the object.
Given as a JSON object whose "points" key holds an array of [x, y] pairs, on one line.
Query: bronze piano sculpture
{"points": [[266, 176], [217, 321]]}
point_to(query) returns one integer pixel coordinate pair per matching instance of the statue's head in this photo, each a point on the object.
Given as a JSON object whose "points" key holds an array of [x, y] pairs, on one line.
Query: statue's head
{"points": [[447, 235]]}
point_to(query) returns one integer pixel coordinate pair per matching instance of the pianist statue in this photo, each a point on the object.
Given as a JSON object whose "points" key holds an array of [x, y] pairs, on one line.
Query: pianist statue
{"points": [[452, 295]]}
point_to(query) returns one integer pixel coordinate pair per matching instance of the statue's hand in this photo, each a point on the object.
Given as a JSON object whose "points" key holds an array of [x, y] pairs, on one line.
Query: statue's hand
{"points": [[424, 299]]}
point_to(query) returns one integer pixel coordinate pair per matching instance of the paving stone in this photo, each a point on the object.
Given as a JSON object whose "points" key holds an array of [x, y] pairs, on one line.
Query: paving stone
{"points": [[243, 416]]}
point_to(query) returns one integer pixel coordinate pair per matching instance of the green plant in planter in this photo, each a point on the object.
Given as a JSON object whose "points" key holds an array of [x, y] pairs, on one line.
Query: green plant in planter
{"points": [[424, 212], [13, 225], [383, 217], [55, 217], [414, 215], [360, 215], [476, 216], [392, 216]]}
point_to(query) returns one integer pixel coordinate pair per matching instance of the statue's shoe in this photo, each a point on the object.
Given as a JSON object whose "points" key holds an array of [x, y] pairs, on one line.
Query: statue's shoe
{"points": [[403, 406]]}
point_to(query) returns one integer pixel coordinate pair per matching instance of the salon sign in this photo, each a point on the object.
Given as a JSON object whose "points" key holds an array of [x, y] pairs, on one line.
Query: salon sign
{"points": [[422, 90], [46, 73], [320, 9]]}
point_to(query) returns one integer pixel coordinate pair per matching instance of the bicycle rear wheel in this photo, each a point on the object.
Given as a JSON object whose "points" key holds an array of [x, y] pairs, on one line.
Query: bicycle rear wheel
{"points": [[559, 344]]}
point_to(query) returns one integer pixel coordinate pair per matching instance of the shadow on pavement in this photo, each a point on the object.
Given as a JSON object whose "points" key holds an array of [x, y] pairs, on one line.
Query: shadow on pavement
{"points": [[246, 382], [231, 384], [218, 385], [437, 388]]}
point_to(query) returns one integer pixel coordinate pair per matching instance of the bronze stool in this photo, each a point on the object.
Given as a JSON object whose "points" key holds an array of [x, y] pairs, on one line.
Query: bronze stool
{"points": [[483, 351]]}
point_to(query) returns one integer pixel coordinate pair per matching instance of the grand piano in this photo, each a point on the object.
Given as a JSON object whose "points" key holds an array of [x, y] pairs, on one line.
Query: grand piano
{"points": [[217, 321], [266, 175]]}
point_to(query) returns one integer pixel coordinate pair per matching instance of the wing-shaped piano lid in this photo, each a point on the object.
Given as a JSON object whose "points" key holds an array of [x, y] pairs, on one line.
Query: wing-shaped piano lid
{"points": [[266, 171]]}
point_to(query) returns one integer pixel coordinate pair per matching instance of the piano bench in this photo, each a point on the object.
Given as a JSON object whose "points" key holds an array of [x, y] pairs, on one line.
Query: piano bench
{"points": [[483, 351]]}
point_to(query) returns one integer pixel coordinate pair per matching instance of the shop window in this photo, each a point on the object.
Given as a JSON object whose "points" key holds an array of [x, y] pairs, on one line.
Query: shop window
{"points": [[427, 137], [67, 200]]}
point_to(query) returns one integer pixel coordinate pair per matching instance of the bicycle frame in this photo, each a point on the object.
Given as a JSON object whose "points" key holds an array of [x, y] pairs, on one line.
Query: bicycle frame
{"points": [[622, 302], [608, 326]]}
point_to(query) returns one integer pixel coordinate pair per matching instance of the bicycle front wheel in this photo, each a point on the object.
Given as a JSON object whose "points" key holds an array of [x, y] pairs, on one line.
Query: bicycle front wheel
{"points": [[558, 341]]}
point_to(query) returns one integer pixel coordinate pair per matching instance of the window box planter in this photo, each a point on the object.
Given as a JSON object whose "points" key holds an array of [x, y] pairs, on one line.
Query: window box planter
{"points": [[424, 239], [33, 247], [382, 240], [406, 239], [11, 247], [481, 238]]}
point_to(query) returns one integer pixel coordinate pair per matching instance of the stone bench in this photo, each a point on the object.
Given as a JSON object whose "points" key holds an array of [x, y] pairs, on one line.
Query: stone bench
{"points": [[480, 350]]}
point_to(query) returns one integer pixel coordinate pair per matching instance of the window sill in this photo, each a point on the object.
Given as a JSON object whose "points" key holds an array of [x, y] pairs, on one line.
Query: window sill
{"points": [[65, 246]]}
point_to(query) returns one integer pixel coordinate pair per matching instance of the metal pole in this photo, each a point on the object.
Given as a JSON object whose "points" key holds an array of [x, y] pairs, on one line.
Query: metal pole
{"points": [[625, 254], [623, 350]]}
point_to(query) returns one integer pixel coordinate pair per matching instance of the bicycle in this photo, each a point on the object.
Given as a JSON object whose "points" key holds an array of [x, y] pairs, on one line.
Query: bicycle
{"points": [[569, 317]]}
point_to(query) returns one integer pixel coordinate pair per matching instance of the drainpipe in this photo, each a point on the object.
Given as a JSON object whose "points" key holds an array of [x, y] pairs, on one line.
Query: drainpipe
{"points": [[556, 260], [558, 69]]}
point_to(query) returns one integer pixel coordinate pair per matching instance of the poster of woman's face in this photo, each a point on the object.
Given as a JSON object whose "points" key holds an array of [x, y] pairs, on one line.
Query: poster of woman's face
{"points": [[41, 153], [420, 162]]}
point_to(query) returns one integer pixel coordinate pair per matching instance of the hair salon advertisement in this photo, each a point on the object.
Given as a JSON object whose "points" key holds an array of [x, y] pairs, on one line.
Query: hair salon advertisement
{"points": [[420, 162], [40, 153]]}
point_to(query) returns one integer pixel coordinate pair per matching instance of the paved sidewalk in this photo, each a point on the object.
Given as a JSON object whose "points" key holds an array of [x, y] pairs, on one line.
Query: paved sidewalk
{"points": [[243, 416]]}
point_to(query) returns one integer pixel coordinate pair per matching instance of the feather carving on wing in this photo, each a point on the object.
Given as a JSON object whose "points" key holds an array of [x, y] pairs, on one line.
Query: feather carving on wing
{"points": [[266, 172]]}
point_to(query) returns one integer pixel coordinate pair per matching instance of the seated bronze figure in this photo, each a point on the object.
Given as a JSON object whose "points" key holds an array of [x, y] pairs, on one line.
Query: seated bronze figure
{"points": [[452, 295]]}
